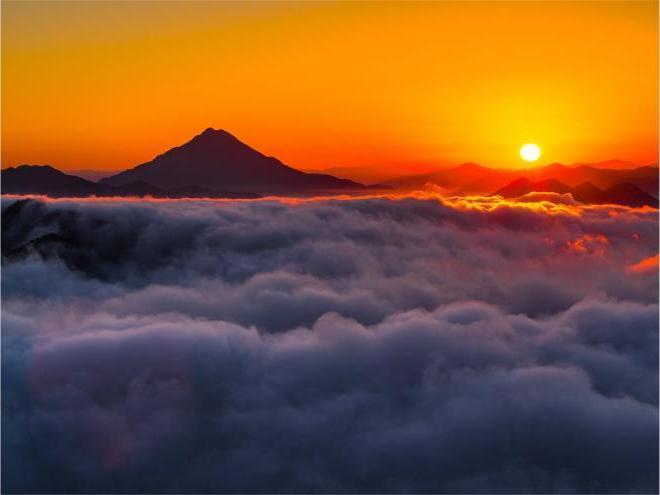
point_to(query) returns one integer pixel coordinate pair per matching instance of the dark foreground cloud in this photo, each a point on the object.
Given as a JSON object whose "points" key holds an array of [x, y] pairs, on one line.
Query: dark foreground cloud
{"points": [[370, 345]]}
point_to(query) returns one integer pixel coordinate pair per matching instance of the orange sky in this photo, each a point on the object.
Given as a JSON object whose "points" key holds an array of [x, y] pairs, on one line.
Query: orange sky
{"points": [[100, 85]]}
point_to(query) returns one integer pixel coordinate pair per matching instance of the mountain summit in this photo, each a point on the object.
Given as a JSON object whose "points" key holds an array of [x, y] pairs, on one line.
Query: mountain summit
{"points": [[217, 159]]}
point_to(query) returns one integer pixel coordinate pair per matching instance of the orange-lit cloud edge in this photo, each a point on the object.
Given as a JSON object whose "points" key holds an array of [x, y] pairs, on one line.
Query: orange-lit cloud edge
{"points": [[647, 265], [550, 204]]}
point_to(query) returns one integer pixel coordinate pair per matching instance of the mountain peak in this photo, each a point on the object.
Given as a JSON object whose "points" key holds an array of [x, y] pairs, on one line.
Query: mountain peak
{"points": [[213, 141], [211, 133], [29, 166], [217, 159], [29, 169], [523, 185]]}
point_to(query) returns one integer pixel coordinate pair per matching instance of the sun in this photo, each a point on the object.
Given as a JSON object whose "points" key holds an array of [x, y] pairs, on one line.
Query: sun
{"points": [[530, 152]]}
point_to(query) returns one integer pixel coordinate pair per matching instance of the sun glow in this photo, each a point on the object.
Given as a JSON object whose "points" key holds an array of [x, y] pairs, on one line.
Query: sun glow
{"points": [[530, 152]]}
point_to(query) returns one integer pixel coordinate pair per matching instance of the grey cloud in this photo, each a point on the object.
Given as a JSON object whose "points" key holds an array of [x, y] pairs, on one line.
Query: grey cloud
{"points": [[371, 345]]}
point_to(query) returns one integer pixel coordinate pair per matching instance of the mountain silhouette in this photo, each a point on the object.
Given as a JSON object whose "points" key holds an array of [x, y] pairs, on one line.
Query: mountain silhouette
{"points": [[218, 160], [215, 164], [645, 178], [522, 186], [587, 192], [470, 178], [48, 181], [621, 194], [628, 194]]}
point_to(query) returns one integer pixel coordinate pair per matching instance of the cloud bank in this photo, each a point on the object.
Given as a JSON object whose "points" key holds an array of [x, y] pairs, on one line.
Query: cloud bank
{"points": [[365, 345]]}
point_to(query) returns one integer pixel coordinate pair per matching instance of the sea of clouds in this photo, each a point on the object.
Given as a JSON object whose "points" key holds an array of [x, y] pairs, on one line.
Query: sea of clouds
{"points": [[333, 345]]}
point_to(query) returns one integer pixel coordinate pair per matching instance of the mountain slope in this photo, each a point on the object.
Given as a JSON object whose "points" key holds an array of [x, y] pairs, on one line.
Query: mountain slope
{"points": [[216, 159], [628, 194]]}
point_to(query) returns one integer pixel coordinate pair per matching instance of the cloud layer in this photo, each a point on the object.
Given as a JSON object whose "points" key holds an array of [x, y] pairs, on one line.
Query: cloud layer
{"points": [[365, 345]]}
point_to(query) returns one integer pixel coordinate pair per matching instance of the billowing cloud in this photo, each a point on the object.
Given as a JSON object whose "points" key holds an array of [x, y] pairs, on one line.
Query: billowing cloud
{"points": [[361, 345]]}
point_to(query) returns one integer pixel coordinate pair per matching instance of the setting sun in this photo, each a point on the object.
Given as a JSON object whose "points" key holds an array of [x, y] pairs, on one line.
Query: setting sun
{"points": [[530, 152]]}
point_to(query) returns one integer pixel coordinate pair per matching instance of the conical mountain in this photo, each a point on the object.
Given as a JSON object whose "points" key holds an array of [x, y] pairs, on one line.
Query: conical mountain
{"points": [[216, 159]]}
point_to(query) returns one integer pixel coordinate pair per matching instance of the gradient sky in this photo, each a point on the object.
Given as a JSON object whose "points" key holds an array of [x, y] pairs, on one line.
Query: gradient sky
{"points": [[108, 85]]}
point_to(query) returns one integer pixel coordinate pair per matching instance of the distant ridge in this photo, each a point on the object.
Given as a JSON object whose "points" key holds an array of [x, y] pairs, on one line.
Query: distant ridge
{"points": [[622, 194], [216, 164], [470, 178], [48, 181], [615, 164], [218, 160]]}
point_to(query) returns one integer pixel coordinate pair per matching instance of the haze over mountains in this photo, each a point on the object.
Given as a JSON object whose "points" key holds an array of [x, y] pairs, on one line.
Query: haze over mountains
{"points": [[216, 164], [471, 178], [93, 175], [383, 172]]}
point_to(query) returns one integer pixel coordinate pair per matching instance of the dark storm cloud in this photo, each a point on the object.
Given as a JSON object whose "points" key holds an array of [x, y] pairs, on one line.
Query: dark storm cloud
{"points": [[370, 345]]}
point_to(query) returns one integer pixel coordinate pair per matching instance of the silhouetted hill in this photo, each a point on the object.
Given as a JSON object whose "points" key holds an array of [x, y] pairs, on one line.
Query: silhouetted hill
{"points": [[522, 186], [216, 159], [621, 194], [645, 178], [587, 193], [629, 194], [48, 181]]}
